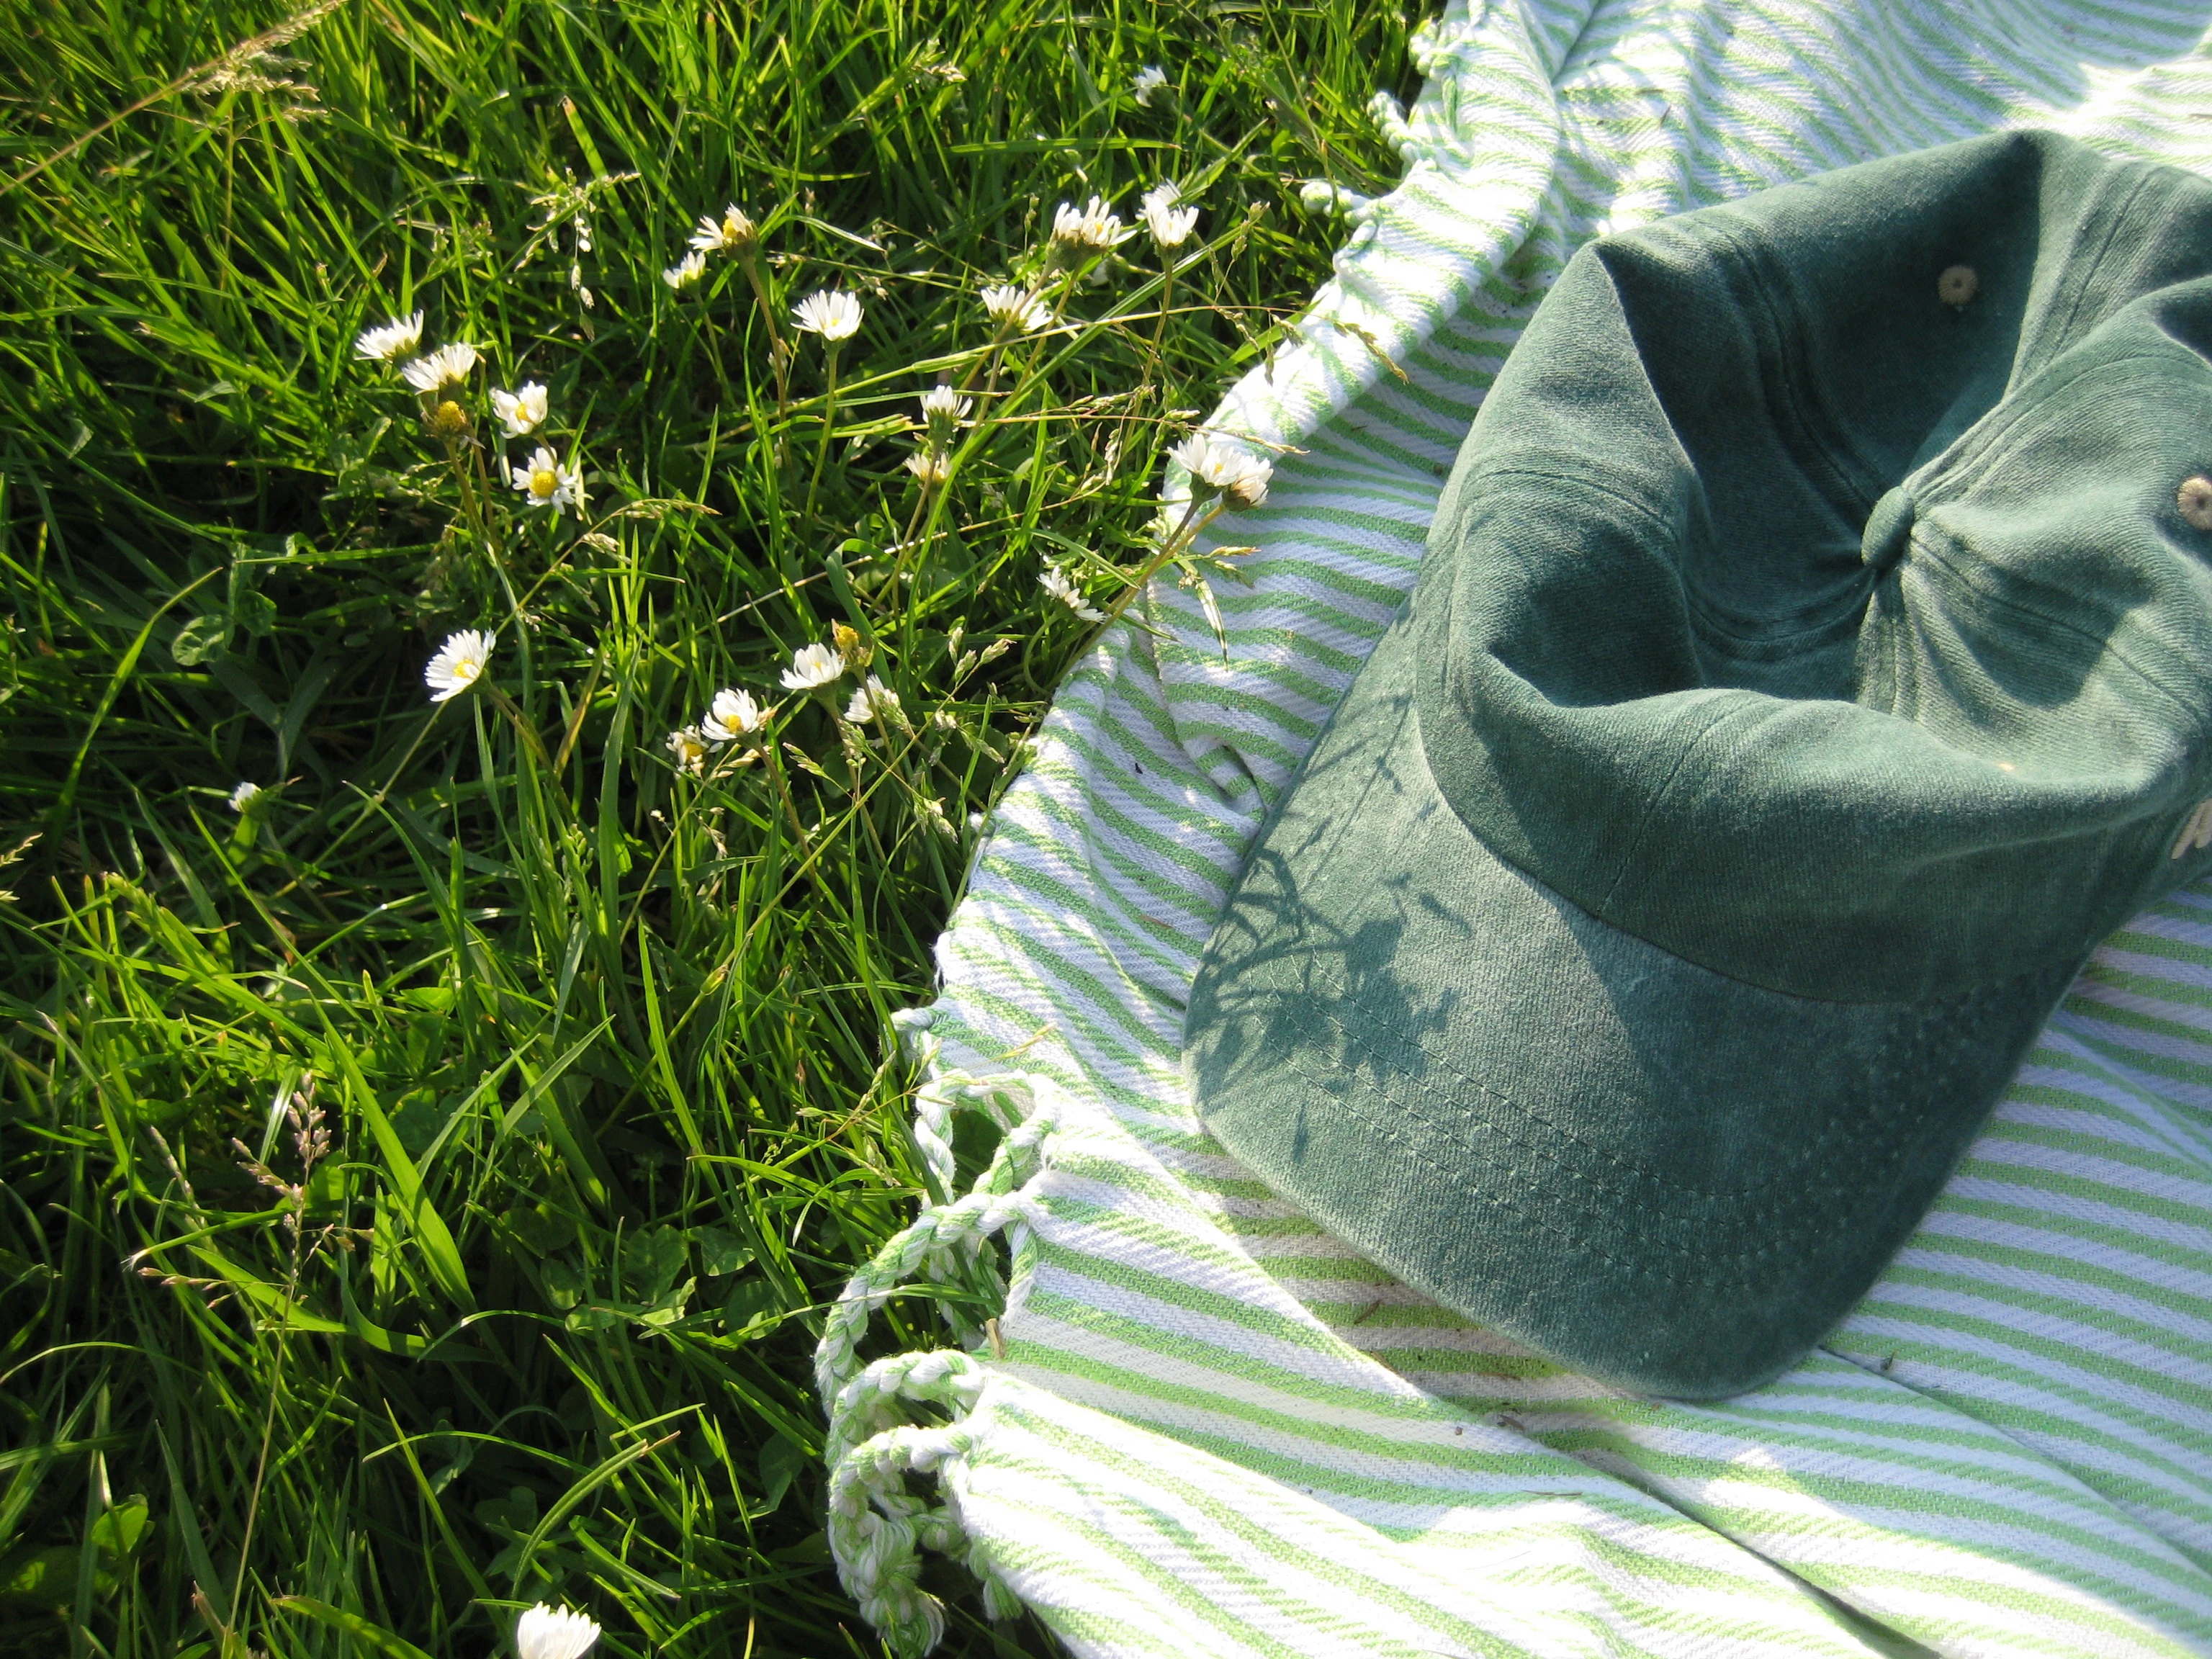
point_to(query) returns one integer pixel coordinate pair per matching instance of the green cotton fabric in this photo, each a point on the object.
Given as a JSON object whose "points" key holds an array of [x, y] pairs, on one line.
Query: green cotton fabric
{"points": [[1808, 668]]}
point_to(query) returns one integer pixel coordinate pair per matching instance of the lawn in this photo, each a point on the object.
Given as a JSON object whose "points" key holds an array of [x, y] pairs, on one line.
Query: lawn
{"points": [[425, 1169]]}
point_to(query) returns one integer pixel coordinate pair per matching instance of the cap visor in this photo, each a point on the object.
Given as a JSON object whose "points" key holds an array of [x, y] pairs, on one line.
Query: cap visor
{"points": [[1668, 1179]]}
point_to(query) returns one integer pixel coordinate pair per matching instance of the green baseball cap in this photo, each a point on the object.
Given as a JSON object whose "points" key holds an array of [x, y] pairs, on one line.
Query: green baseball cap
{"points": [[1811, 663]]}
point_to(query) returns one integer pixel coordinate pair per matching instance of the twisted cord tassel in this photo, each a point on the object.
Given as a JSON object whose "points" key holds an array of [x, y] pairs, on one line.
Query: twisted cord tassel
{"points": [[877, 1528], [1441, 51], [1004, 1100], [939, 1238]]}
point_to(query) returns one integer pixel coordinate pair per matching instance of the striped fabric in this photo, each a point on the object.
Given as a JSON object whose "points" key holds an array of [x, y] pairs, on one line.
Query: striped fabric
{"points": [[1202, 1426]]}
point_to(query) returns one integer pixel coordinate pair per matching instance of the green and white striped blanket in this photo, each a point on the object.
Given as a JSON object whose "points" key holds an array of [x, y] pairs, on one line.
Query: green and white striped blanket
{"points": [[1202, 1426]]}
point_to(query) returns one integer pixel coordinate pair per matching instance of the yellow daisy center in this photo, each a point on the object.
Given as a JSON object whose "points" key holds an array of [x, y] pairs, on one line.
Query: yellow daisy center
{"points": [[543, 482]]}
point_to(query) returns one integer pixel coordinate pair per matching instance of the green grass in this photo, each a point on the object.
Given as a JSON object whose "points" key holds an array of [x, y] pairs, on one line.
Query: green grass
{"points": [[602, 1047]]}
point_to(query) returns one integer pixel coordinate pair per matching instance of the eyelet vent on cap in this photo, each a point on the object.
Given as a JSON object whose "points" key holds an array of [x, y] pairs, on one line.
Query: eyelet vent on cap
{"points": [[1958, 285], [2197, 833], [2194, 498]]}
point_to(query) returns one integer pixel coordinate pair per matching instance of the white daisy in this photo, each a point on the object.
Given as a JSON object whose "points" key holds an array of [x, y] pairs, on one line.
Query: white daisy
{"points": [[812, 665], [1015, 309], [547, 483], [873, 701], [1055, 581], [929, 466], [1090, 228], [734, 715], [545, 1633], [1244, 483], [458, 665], [521, 412], [449, 365], [394, 339], [685, 271], [689, 745], [829, 312], [1241, 478], [732, 232], [1170, 225], [943, 409], [243, 795], [1148, 81]]}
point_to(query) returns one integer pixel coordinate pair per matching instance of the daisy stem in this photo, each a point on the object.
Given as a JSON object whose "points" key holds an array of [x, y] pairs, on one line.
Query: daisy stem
{"points": [[913, 522], [828, 420], [1177, 544], [779, 359], [297, 1200], [773, 749], [472, 496], [505, 705], [989, 366]]}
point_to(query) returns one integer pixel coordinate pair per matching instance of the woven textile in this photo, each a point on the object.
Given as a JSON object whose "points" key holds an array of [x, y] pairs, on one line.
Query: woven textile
{"points": [[1203, 1427]]}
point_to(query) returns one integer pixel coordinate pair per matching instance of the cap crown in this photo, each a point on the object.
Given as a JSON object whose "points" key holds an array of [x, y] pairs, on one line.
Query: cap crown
{"points": [[1825, 631]]}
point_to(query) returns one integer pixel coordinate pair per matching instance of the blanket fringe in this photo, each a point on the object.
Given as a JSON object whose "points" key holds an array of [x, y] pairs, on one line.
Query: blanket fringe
{"points": [[877, 1527]]}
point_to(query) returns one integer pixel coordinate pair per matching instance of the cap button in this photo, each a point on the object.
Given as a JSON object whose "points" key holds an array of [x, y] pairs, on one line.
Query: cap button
{"points": [[1888, 528], [1958, 285]]}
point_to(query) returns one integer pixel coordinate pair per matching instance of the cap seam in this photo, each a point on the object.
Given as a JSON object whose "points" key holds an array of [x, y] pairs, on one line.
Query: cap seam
{"points": [[1613, 486], [1703, 612], [1582, 482], [2119, 218], [1945, 569], [1742, 245], [1644, 821], [1973, 452]]}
